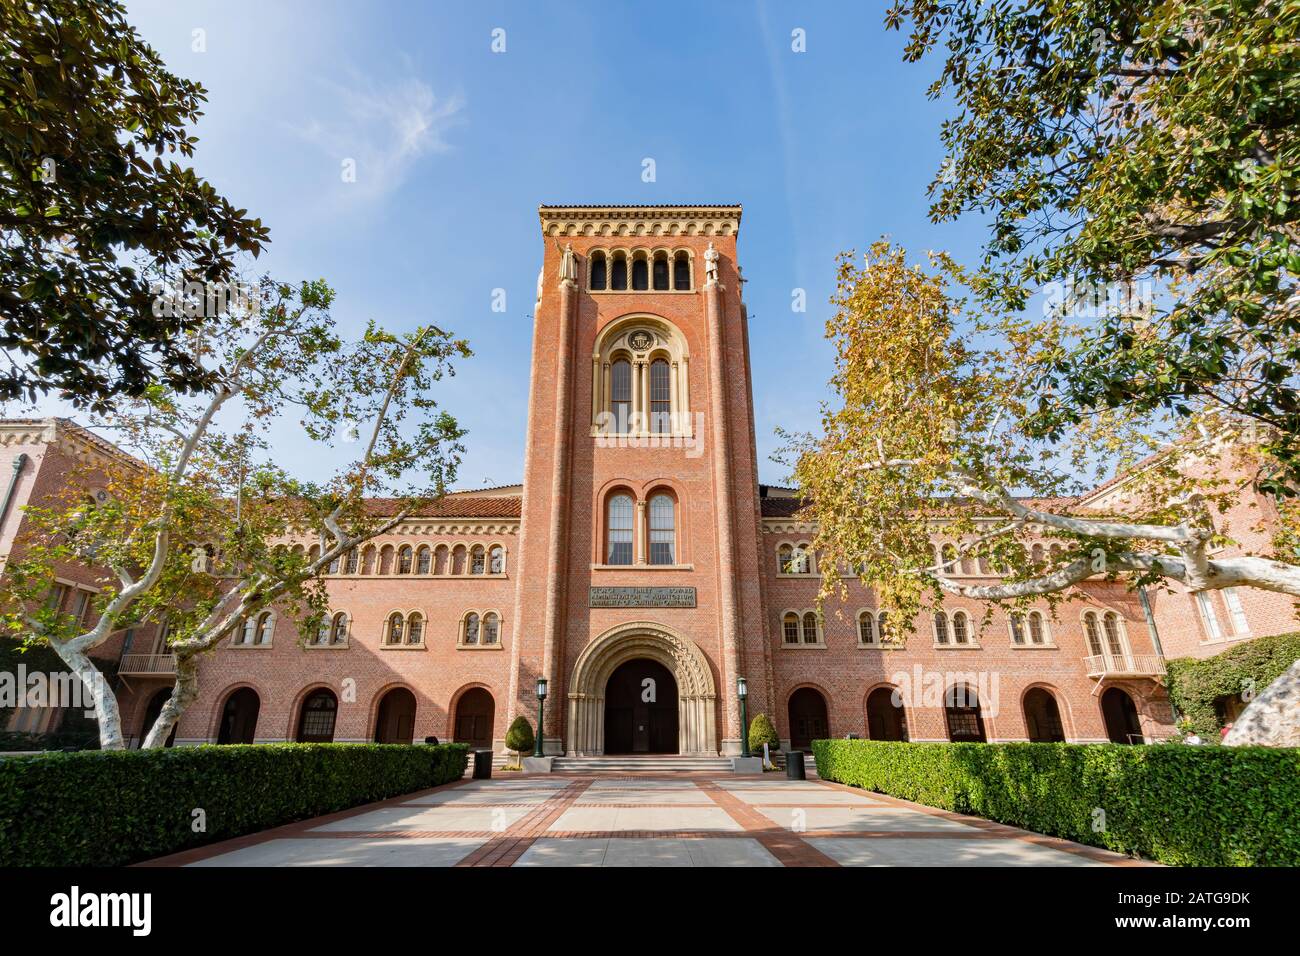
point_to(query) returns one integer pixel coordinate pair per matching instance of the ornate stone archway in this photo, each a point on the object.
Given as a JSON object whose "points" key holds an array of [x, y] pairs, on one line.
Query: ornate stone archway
{"points": [[697, 728]]}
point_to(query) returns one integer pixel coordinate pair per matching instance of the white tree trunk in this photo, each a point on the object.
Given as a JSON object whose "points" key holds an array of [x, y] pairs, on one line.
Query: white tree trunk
{"points": [[184, 692], [1273, 718], [96, 685]]}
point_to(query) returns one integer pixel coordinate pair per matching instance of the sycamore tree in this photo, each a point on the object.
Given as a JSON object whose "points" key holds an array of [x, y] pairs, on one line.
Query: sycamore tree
{"points": [[1144, 153], [197, 528], [933, 430]]}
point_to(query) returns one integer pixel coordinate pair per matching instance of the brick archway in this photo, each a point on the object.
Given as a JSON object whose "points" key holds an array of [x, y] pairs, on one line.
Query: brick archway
{"points": [[697, 731]]}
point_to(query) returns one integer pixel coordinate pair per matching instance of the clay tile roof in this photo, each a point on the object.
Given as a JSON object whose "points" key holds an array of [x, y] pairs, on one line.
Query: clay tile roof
{"points": [[457, 506], [781, 507]]}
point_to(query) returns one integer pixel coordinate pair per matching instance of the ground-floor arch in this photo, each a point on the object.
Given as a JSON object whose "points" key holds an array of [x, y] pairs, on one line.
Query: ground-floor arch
{"points": [[685, 664], [473, 718], [809, 718], [886, 719], [641, 709], [1121, 717], [1043, 716], [395, 719], [239, 717], [316, 717], [962, 715]]}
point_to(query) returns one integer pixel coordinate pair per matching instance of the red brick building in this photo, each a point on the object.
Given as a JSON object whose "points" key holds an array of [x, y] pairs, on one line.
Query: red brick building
{"points": [[641, 569]]}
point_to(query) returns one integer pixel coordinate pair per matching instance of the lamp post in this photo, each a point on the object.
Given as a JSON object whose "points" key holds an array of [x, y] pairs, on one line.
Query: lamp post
{"points": [[541, 703], [742, 691]]}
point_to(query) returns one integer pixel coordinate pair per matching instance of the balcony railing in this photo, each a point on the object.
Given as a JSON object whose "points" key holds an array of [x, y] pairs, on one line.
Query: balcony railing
{"points": [[1124, 665], [145, 665]]}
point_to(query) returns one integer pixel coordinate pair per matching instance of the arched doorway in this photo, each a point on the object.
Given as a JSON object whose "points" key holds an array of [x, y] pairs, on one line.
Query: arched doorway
{"points": [[395, 721], [1121, 716], [962, 712], [1043, 717], [239, 717], [316, 717], [885, 719], [697, 700], [475, 713], [808, 720], [641, 709], [156, 703]]}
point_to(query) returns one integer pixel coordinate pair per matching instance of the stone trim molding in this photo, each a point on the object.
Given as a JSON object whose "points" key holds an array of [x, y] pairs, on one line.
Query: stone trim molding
{"points": [[639, 220]]}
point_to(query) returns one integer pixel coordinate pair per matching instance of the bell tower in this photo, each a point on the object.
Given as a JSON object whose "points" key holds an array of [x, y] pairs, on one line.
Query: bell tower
{"points": [[640, 522]]}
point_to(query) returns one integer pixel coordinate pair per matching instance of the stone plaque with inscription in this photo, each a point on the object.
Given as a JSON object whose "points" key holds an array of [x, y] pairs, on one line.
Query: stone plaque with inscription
{"points": [[642, 597]]}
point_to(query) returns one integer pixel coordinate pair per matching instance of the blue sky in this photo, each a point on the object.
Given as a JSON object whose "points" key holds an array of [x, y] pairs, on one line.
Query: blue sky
{"points": [[456, 146]]}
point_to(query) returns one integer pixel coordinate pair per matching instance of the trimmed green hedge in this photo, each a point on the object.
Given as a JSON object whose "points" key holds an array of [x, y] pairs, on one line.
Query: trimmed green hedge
{"points": [[108, 808], [1194, 685], [1181, 805]]}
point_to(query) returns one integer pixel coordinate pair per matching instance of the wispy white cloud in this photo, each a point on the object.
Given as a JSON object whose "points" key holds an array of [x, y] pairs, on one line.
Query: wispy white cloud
{"points": [[383, 129]]}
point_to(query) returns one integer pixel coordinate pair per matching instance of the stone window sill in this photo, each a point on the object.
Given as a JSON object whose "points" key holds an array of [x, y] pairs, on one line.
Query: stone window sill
{"points": [[250, 647], [423, 577], [403, 647], [873, 646], [1034, 647], [956, 647], [478, 647], [643, 567], [641, 291], [326, 647], [802, 646]]}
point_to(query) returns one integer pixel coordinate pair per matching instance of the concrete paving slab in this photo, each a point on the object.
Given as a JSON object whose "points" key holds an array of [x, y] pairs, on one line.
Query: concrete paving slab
{"points": [[859, 819], [327, 851], [902, 851], [608, 819], [430, 818]]}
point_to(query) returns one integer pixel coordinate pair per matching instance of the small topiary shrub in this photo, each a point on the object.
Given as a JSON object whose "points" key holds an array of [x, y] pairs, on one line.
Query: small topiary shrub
{"points": [[110, 808], [1180, 805], [519, 738], [761, 731]]}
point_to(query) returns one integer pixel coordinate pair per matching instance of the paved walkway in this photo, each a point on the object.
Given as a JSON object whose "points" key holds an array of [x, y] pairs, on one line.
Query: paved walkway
{"points": [[561, 820]]}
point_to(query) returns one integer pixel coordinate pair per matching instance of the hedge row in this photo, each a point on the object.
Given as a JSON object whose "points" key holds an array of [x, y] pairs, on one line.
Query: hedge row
{"points": [[1195, 685], [1181, 805], [108, 808]]}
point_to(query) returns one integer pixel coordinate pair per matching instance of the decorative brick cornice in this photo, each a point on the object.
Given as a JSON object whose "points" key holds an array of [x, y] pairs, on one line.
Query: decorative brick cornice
{"points": [[562, 221]]}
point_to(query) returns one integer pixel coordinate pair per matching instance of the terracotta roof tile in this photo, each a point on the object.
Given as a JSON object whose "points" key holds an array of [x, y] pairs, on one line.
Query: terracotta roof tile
{"points": [[457, 506]]}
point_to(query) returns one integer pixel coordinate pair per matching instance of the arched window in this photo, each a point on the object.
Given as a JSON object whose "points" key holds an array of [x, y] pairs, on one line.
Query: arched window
{"points": [[802, 560], [661, 400], [339, 629], [618, 532], [640, 274], [681, 272], [395, 628], [491, 628], [618, 272], [663, 535], [322, 635], [962, 713], [1037, 628], [442, 559], [599, 269], [1092, 632], [353, 562], [661, 272], [882, 626], [265, 627], [247, 633], [404, 559], [1017, 627], [810, 628], [471, 628], [967, 565], [940, 627], [983, 564], [1114, 634], [790, 628], [458, 559], [785, 559], [415, 628], [478, 560], [866, 628], [423, 560], [316, 720], [497, 559], [386, 563], [1036, 555], [1055, 552], [960, 634], [948, 559], [620, 395], [335, 563], [368, 559]]}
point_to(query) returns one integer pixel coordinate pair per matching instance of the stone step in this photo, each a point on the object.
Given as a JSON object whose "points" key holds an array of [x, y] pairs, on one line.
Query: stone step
{"points": [[646, 763]]}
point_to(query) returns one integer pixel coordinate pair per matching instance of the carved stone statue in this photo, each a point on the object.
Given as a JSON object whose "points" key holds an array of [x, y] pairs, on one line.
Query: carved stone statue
{"points": [[569, 264], [710, 264]]}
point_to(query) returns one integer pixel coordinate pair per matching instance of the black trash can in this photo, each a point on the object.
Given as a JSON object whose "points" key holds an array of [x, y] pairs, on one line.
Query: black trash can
{"points": [[794, 765], [482, 765]]}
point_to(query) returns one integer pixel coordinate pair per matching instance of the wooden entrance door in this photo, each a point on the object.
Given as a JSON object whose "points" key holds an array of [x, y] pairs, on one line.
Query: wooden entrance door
{"points": [[475, 712], [808, 720]]}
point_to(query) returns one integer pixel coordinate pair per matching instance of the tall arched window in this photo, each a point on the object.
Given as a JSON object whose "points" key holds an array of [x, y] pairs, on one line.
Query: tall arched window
{"points": [[640, 274], [1037, 628], [322, 635], [339, 629], [1017, 627], [1092, 632], [866, 628], [960, 632], [661, 399], [618, 272], [661, 272], [618, 531], [478, 560], [497, 559], [404, 559], [598, 272], [663, 534], [491, 628], [415, 628], [940, 627], [423, 559], [248, 633], [336, 562], [681, 272], [620, 395], [353, 562], [265, 627], [1114, 635], [471, 628], [882, 626], [790, 628], [810, 628], [1036, 555], [396, 628], [949, 558], [316, 720], [785, 559]]}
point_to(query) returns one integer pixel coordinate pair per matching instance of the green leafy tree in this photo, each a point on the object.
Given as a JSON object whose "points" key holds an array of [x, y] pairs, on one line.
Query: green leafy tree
{"points": [[1141, 160], [933, 427], [519, 738], [201, 528], [96, 214]]}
